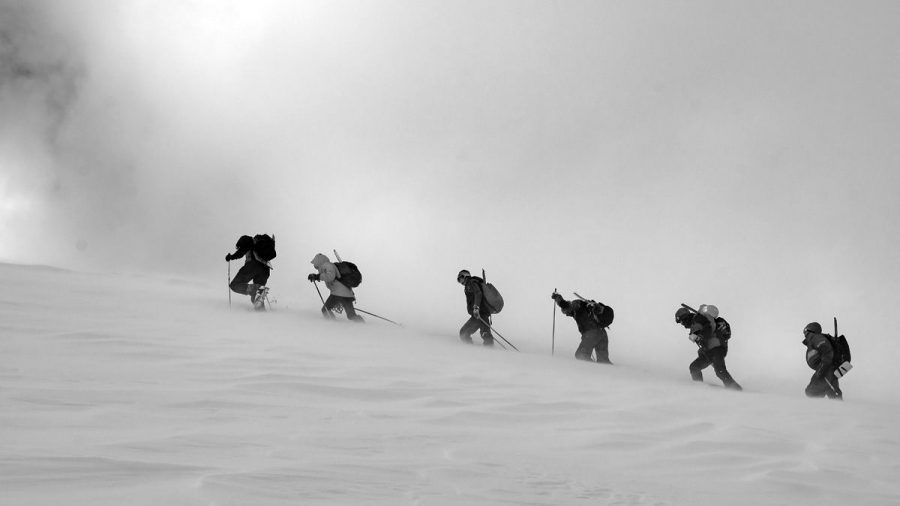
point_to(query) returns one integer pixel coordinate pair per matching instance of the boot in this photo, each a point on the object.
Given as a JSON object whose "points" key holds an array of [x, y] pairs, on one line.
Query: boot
{"points": [[259, 302]]}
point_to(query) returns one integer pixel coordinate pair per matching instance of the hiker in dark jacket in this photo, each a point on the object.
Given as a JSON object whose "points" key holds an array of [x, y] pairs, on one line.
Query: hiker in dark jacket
{"points": [[252, 277], [711, 341], [820, 358], [594, 338], [476, 307]]}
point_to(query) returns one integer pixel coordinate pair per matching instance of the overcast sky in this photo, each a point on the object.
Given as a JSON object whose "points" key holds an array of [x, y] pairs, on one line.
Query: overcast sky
{"points": [[743, 154]]}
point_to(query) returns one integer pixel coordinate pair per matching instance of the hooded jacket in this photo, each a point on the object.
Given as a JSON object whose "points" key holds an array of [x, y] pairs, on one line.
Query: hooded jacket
{"points": [[245, 248], [474, 295], [329, 274], [705, 329], [819, 354], [582, 312]]}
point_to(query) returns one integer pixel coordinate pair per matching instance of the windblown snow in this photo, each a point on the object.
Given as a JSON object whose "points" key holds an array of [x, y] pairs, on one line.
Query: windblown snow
{"points": [[126, 389]]}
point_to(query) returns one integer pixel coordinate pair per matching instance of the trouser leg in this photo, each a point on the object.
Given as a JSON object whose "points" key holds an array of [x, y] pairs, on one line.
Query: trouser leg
{"points": [[717, 356], [816, 387], [330, 303], [589, 341], [697, 366], [819, 388], [349, 310], [602, 347], [240, 283], [253, 271], [469, 328], [485, 330], [261, 274]]}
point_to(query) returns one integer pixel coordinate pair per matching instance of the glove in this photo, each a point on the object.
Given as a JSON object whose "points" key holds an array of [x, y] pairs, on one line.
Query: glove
{"points": [[313, 277], [228, 257], [556, 296], [476, 312]]}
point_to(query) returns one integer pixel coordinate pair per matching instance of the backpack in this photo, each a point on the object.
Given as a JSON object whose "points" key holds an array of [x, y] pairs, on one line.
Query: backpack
{"points": [[841, 349], [602, 314], [348, 274], [264, 247], [722, 330], [492, 297]]}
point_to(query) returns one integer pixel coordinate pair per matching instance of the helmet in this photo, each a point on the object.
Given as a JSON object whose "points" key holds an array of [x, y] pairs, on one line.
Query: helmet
{"points": [[681, 314], [463, 274], [813, 327], [709, 310]]}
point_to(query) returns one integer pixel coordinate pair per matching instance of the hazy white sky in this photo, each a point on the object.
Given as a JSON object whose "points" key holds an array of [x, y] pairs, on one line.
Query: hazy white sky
{"points": [[643, 153]]}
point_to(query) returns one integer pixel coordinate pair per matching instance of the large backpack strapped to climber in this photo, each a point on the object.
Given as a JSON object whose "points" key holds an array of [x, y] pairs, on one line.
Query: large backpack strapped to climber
{"points": [[348, 272], [720, 327], [264, 247], [491, 295], [841, 348], [602, 314]]}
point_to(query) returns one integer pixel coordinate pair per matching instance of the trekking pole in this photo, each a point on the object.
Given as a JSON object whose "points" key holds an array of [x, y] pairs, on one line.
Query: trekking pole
{"points": [[503, 346], [499, 343], [319, 292], [498, 334], [553, 337], [376, 316], [229, 284], [834, 390]]}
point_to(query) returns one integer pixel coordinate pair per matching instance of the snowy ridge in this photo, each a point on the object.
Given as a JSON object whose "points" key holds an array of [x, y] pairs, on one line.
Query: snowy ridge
{"points": [[141, 390]]}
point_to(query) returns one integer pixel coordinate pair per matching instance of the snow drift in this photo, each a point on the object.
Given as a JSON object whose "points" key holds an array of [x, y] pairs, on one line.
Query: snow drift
{"points": [[135, 389]]}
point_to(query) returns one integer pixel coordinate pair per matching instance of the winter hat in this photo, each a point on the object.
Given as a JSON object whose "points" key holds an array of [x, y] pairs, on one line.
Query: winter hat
{"points": [[463, 274], [681, 314], [813, 327]]}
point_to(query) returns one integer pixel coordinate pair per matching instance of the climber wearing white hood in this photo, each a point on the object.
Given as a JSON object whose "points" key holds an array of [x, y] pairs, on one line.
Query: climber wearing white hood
{"points": [[341, 295]]}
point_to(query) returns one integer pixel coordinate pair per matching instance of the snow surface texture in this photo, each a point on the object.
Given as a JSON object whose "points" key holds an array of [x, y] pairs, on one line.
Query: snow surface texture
{"points": [[119, 389]]}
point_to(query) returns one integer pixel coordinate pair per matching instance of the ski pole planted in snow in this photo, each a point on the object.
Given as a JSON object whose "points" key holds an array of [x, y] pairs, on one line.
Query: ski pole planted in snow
{"points": [[229, 284], [498, 334], [553, 336]]}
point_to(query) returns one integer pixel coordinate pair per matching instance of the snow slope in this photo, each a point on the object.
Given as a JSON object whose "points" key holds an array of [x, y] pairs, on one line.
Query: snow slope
{"points": [[127, 389]]}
